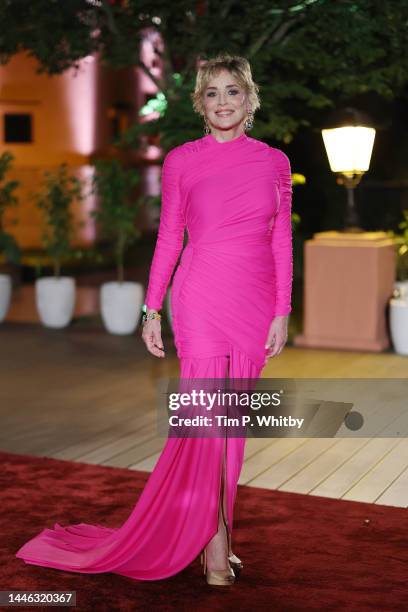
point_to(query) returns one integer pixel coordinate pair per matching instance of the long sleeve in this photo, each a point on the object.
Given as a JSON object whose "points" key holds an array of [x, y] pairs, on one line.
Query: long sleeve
{"points": [[281, 237], [171, 230]]}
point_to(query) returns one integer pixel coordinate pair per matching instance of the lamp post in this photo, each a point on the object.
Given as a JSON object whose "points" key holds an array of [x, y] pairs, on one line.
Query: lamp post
{"points": [[348, 140]]}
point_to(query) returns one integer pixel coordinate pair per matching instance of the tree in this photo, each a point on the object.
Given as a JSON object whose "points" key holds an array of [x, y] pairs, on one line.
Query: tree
{"points": [[8, 245], [118, 207], [55, 200], [305, 55]]}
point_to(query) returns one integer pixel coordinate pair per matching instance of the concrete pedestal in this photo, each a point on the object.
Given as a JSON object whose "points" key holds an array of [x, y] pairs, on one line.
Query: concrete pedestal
{"points": [[348, 281]]}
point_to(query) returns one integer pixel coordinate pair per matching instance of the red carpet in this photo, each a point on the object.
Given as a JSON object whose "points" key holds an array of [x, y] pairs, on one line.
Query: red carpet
{"points": [[300, 552]]}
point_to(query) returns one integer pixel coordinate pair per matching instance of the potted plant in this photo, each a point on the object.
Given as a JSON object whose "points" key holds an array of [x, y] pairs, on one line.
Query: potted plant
{"points": [[55, 295], [399, 300], [120, 301], [9, 249]]}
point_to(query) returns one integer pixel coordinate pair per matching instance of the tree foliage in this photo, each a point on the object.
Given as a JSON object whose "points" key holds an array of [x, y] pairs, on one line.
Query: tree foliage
{"points": [[401, 243], [55, 200], [118, 207], [8, 245], [305, 55]]}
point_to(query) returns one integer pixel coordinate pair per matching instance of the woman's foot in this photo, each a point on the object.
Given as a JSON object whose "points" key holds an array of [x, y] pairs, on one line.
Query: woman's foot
{"points": [[217, 549]]}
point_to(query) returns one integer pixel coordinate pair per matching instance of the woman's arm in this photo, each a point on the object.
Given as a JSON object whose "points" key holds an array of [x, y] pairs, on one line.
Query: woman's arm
{"points": [[281, 245], [171, 231], [281, 237]]}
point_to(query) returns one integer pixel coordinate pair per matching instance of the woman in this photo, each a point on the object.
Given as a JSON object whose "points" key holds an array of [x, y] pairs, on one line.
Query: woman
{"points": [[231, 297]]}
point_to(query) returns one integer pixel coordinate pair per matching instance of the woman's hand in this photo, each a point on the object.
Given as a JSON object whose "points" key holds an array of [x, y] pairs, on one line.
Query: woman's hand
{"points": [[277, 336], [151, 335]]}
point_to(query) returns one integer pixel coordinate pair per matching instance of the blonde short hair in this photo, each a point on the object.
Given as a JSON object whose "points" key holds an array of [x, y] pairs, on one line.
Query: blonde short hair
{"points": [[238, 66]]}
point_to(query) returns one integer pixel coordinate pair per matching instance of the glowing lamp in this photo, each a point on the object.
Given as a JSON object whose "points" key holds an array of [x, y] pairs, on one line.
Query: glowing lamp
{"points": [[348, 140]]}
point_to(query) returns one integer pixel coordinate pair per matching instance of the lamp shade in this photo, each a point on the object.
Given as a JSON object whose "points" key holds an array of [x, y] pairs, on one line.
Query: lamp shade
{"points": [[349, 148]]}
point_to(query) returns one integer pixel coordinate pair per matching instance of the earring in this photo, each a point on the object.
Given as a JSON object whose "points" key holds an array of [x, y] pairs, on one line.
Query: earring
{"points": [[206, 126], [249, 121]]}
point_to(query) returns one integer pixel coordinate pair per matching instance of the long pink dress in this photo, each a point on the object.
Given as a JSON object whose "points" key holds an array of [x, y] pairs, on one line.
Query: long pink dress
{"points": [[235, 275]]}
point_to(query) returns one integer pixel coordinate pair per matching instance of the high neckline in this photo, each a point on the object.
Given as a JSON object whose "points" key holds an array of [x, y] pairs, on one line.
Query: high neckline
{"points": [[211, 139]]}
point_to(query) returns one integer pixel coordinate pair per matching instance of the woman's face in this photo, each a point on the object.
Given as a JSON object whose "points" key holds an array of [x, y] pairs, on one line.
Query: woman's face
{"points": [[225, 102]]}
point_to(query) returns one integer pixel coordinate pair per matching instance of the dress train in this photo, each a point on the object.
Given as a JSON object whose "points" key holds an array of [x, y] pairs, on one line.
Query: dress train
{"points": [[175, 516]]}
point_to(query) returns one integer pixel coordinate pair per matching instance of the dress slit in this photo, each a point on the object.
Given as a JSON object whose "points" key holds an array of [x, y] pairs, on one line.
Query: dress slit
{"points": [[224, 479]]}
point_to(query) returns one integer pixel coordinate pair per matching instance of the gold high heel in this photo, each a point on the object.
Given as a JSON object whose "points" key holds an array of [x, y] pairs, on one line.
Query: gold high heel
{"points": [[236, 564], [216, 577], [234, 561]]}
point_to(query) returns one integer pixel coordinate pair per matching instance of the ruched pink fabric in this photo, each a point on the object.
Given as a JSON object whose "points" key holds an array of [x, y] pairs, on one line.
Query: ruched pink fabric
{"points": [[235, 275]]}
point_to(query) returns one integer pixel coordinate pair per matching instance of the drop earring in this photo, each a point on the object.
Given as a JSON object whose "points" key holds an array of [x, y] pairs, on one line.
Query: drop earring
{"points": [[206, 126], [249, 121]]}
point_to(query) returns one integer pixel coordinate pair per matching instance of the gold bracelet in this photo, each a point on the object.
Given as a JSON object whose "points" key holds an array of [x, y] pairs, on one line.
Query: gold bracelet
{"points": [[150, 316]]}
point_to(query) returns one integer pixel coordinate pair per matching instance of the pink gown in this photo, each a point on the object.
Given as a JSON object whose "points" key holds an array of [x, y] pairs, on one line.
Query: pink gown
{"points": [[235, 275]]}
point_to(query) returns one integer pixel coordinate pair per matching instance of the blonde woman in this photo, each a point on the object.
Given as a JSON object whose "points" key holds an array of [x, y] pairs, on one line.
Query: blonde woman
{"points": [[231, 297]]}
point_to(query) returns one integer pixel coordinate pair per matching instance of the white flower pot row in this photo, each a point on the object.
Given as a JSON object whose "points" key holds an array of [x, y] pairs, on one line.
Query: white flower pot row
{"points": [[120, 303]]}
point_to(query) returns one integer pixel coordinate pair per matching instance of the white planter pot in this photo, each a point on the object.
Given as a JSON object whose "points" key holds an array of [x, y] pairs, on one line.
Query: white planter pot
{"points": [[121, 305], [55, 300], [399, 325], [402, 288], [5, 295]]}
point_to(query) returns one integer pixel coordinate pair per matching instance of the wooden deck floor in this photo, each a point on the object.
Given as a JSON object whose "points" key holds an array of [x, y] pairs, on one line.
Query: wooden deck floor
{"points": [[82, 394]]}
